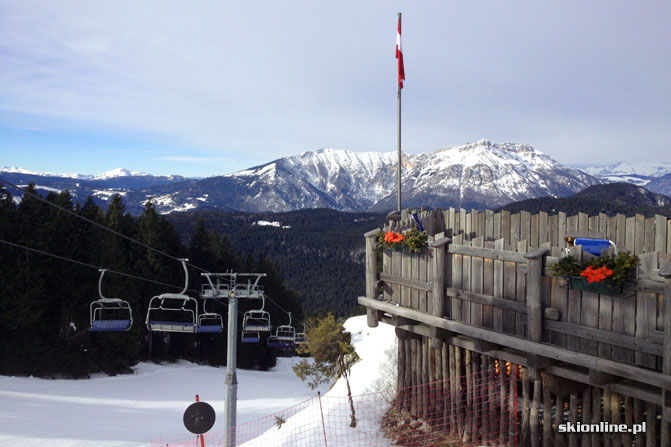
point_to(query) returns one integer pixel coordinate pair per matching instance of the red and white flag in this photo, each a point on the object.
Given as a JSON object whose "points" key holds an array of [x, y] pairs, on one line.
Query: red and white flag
{"points": [[399, 56]]}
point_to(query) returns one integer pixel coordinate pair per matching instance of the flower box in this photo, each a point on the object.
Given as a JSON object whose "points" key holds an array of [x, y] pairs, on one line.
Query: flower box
{"points": [[582, 284]]}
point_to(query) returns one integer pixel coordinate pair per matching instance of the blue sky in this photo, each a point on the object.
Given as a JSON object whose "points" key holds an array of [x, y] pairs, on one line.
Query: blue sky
{"points": [[207, 88]]}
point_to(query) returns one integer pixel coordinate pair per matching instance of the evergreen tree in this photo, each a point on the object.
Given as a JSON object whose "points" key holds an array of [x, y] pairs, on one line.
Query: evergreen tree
{"points": [[333, 356]]}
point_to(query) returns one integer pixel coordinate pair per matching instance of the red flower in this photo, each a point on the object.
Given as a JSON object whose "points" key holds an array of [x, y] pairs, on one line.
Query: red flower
{"points": [[596, 275], [393, 238]]}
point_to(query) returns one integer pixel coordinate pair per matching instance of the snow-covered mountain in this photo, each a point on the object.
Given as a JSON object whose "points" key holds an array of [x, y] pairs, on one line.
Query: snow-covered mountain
{"points": [[477, 175], [100, 187], [638, 173]]}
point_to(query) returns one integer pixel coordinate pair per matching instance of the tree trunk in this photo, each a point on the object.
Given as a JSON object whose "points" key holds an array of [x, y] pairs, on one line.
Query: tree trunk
{"points": [[345, 374]]}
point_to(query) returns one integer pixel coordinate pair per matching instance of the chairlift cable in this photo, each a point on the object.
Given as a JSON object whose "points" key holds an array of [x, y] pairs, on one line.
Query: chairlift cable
{"points": [[37, 196], [91, 265]]}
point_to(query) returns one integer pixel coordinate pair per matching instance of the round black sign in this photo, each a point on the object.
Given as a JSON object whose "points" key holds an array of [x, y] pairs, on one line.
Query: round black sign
{"points": [[199, 417]]}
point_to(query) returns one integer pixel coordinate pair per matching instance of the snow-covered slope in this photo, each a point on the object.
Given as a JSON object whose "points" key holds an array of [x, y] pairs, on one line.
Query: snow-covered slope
{"points": [[132, 410]]}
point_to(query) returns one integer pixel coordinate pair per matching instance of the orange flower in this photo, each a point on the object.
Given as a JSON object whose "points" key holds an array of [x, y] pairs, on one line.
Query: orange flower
{"points": [[393, 238], [596, 275]]}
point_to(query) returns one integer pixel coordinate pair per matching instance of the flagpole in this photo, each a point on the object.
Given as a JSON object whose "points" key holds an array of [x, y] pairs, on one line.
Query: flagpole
{"points": [[398, 174]]}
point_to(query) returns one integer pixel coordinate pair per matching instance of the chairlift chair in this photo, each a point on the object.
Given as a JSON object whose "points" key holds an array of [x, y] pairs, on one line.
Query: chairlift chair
{"points": [[210, 322], [273, 342], [250, 337], [257, 320], [109, 314], [173, 312], [286, 332], [300, 337]]}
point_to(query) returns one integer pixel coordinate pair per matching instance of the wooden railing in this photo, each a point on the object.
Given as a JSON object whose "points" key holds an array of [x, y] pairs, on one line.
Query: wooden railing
{"points": [[507, 298]]}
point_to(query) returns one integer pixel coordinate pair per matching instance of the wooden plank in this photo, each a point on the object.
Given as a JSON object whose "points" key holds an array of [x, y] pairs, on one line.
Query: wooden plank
{"points": [[559, 301], [624, 323], [468, 250], [649, 236], [457, 283], [480, 229], [574, 305], [489, 225], [605, 337], [509, 293], [462, 222], [424, 270], [583, 222], [668, 236], [660, 233], [543, 228], [514, 229], [611, 229], [593, 225], [646, 306], [571, 225], [466, 286], [534, 233], [505, 226], [553, 230], [533, 295], [477, 273], [639, 235], [413, 292], [603, 225], [605, 323], [488, 289], [406, 272], [589, 316], [469, 231], [521, 288], [498, 226], [397, 281], [547, 412], [525, 226], [386, 268], [562, 228], [499, 315], [630, 233], [482, 299], [620, 231]]}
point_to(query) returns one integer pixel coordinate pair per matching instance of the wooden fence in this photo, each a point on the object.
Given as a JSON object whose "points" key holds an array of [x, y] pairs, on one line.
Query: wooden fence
{"points": [[636, 234], [484, 287]]}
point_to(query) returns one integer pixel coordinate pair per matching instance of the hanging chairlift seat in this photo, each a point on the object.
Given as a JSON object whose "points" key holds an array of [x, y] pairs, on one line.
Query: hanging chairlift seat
{"points": [[210, 322], [109, 314], [172, 312], [300, 337], [273, 342], [286, 332], [250, 337]]}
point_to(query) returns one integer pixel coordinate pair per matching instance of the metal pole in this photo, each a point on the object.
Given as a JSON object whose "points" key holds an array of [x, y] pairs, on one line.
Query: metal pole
{"points": [[398, 174], [231, 378]]}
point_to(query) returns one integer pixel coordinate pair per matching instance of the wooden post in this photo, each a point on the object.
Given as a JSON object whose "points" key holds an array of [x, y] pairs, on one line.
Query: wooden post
{"points": [[534, 306], [439, 247], [372, 315], [665, 272]]}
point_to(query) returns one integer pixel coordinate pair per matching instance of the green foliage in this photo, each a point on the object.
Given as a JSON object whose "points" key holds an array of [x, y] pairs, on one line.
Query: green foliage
{"points": [[414, 241], [623, 266], [320, 248], [567, 266], [329, 346]]}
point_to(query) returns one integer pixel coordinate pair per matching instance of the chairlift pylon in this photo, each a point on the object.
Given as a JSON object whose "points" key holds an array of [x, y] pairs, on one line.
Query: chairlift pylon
{"points": [[173, 312], [109, 314]]}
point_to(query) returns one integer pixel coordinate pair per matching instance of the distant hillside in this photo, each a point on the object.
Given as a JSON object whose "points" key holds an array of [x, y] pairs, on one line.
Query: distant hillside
{"points": [[610, 198], [320, 254]]}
